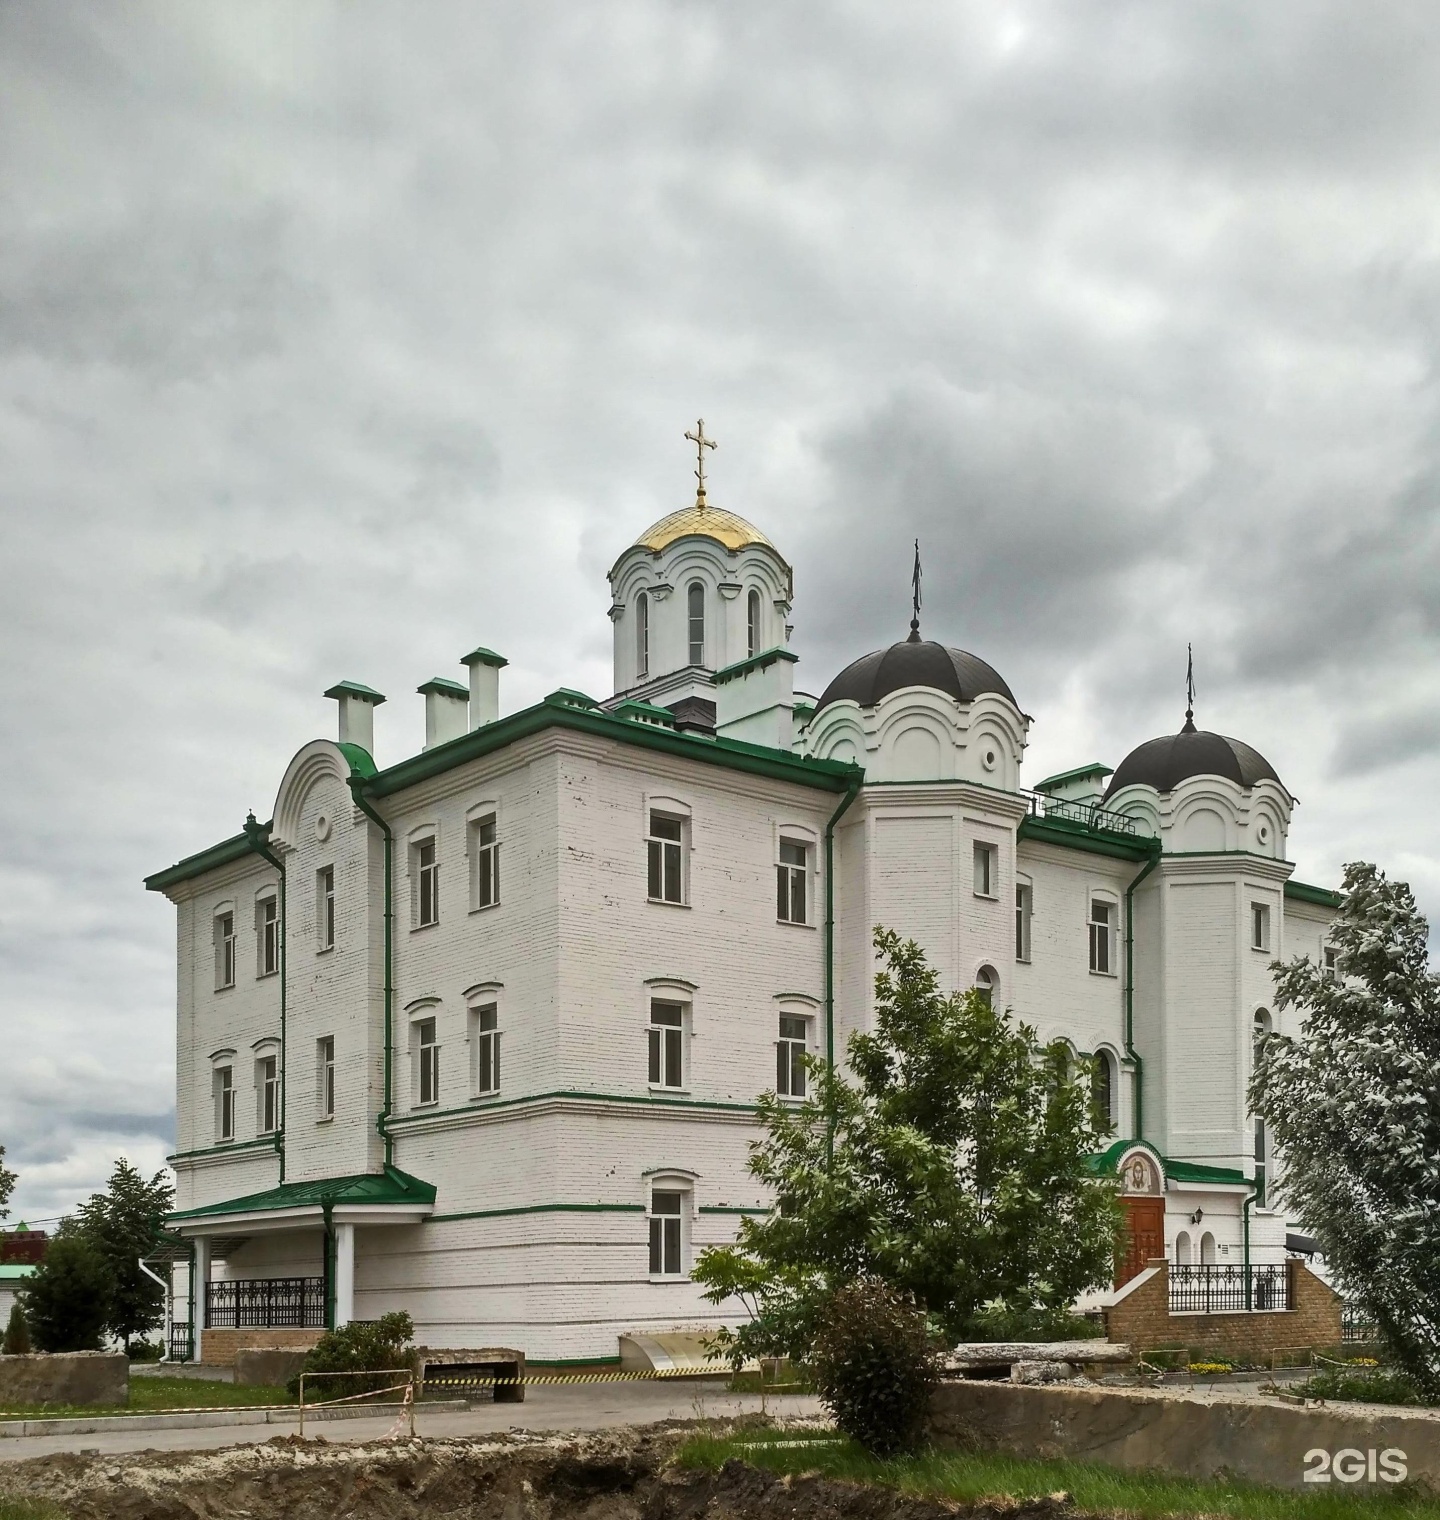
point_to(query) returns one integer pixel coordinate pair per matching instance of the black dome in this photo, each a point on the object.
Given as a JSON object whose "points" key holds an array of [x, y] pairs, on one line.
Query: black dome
{"points": [[914, 662], [1164, 763]]}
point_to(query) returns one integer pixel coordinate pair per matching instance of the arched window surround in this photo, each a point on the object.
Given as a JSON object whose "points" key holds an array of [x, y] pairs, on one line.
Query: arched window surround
{"points": [[642, 635], [695, 621]]}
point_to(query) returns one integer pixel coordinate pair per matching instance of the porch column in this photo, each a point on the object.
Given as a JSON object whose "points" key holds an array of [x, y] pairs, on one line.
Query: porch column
{"points": [[199, 1277], [344, 1274]]}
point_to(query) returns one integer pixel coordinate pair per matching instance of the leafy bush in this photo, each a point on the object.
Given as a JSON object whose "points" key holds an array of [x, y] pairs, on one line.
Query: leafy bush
{"points": [[875, 1364], [1367, 1385], [17, 1332], [1001, 1321], [67, 1299], [146, 1351], [372, 1345]]}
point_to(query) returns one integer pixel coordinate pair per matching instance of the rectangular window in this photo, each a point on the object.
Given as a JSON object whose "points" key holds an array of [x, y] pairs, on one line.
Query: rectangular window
{"points": [[666, 1218], [325, 906], [1102, 930], [223, 1083], [224, 950], [791, 876], [667, 853], [267, 1084], [1259, 926], [485, 851], [325, 1076], [1260, 1167], [427, 885], [790, 1050], [1329, 957], [986, 874], [486, 1036], [267, 933], [1023, 900], [667, 1045], [427, 1052]]}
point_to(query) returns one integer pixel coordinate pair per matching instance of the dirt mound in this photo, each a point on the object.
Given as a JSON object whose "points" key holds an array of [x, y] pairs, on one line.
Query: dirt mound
{"points": [[618, 1475]]}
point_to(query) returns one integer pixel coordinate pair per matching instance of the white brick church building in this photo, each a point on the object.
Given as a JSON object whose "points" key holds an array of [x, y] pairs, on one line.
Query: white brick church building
{"points": [[478, 1033]]}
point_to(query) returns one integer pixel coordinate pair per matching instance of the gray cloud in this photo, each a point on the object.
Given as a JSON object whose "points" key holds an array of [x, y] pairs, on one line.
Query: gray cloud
{"points": [[335, 340]]}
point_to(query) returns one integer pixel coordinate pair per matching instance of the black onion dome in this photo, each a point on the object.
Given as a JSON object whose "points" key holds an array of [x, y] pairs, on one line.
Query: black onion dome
{"points": [[915, 662], [1164, 763]]}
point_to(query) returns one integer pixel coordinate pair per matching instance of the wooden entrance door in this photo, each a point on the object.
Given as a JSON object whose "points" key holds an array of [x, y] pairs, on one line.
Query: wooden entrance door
{"points": [[1144, 1236]]}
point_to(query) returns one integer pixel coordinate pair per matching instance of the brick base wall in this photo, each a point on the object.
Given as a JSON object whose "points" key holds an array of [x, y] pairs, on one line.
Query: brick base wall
{"points": [[218, 1347], [1143, 1320]]}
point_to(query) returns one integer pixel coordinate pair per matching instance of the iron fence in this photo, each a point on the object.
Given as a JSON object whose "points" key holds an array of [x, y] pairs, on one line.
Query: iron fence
{"points": [[180, 1340], [266, 1303], [1228, 1289], [1356, 1326], [1091, 814]]}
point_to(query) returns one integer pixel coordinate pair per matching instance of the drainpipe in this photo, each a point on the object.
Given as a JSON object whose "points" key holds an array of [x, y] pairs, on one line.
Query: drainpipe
{"points": [[382, 1120], [851, 792], [254, 838], [1131, 1054], [169, 1313], [1245, 1217]]}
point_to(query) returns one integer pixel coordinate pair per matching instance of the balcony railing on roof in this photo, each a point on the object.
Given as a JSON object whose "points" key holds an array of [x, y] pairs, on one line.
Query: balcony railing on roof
{"points": [[265, 1303], [1090, 814], [1206, 1289]]}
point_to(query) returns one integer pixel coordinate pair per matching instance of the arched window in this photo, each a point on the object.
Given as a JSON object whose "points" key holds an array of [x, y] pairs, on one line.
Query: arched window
{"points": [[752, 624], [1182, 1249], [986, 982], [697, 623], [642, 635], [1104, 1088], [1207, 1249]]}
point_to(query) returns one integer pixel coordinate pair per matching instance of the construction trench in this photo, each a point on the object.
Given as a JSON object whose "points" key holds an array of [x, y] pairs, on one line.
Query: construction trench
{"points": [[622, 1474]]}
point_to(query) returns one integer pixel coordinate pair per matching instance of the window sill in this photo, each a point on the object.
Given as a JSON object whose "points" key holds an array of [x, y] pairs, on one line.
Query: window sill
{"points": [[1111, 974], [266, 1134], [658, 1089], [795, 923], [326, 1119], [264, 976], [1261, 949], [416, 1108], [664, 902], [480, 908], [1025, 960], [226, 987], [987, 896], [485, 1097], [324, 949], [669, 1277], [421, 928]]}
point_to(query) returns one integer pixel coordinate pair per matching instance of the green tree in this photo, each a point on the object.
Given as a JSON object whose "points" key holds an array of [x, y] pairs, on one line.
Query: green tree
{"points": [[67, 1297], [7, 1185], [1355, 1099], [953, 1168], [17, 1332], [123, 1224], [379, 1346]]}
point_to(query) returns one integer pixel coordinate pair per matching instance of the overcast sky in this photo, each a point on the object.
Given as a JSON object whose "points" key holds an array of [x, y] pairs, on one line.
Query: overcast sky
{"points": [[336, 339]]}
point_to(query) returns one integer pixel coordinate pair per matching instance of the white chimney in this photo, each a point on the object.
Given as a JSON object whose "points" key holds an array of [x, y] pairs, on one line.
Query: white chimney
{"points": [[485, 666], [755, 699], [357, 714], [447, 707]]}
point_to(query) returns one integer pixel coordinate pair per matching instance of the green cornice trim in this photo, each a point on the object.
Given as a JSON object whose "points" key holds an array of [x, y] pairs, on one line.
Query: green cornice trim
{"points": [[1076, 836], [356, 689], [761, 661], [1181, 1171], [731, 1208], [540, 1208], [646, 712], [483, 656], [1322, 897], [222, 854], [227, 1147], [358, 760], [559, 710], [488, 1105], [1080, 773], [445, 687]]}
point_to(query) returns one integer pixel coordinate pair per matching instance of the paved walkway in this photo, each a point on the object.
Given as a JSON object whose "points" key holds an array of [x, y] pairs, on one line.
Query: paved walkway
{"points": [[587, 1406]]}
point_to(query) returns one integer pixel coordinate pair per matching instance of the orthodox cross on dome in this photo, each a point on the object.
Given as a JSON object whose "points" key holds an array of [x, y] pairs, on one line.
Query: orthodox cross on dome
{"points": [[915, 598], [1189, 690], [701, 443]]}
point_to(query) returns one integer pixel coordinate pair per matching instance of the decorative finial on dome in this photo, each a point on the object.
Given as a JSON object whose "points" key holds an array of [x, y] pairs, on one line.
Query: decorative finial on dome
{"points": [[915, 584], [1189, 690], [701, 443]]}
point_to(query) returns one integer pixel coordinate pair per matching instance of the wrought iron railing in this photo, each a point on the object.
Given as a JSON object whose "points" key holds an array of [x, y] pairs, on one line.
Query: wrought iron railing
{"points": [[1090, 814], [1229, 1289], [1356, 1326], [180, 1341], [268, 1303]]}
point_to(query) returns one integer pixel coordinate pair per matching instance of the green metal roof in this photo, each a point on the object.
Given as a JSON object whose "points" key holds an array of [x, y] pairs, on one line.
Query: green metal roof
{"points": [[1302, 891], [12, 1271], [1080, 836], [755, 662], [1180, 1171], [483, 656], [206, 860], [355, 689], [392, 1186], [445, 686], [1078, 774]]}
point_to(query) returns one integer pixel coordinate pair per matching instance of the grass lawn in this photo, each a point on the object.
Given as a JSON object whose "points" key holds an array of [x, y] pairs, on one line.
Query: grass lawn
{"points": [[966, 1477], [29, 1509], [156, 1395]]}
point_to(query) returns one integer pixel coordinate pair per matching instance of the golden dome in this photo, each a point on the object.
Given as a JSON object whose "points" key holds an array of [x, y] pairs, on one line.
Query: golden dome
{"points": [[706, 522]]}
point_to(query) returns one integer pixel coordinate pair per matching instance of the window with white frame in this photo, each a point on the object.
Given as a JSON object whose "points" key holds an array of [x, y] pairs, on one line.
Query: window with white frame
{"points": [[666, 848], [1024, 903], [1328, 957], [696, 609], [669, 1208], [642, 635], [667, 1043], [986, 983], [1102, 937], [484, 862], [987, 860], [752, 624], [267, 936], [267, 1095], [1103, 1086], [1259, 926], [425, 869], [791, 1078], [427, 1062], [325, 1076], [222, 1085], [224, 950], [325, 907], [791, 879], [485, 1042]]}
